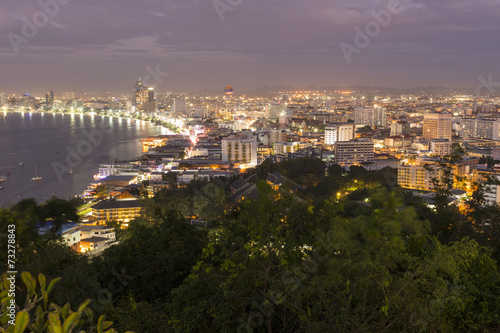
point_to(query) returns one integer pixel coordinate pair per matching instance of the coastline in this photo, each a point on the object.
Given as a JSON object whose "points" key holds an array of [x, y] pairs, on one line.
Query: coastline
{"points": [[23, 189]]}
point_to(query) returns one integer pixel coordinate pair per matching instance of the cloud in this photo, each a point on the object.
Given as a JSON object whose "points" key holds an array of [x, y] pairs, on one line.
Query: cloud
{"points": [[258, 36]]}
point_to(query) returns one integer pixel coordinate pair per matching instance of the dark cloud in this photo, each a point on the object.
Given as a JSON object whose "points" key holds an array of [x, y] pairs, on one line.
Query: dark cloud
{"points": [[105, 44]]}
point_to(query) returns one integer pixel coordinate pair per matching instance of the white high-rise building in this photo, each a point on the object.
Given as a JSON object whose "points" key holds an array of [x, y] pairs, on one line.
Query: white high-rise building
{"points": [[376, 116], [339, 133], [480, 128], [242, 151]]}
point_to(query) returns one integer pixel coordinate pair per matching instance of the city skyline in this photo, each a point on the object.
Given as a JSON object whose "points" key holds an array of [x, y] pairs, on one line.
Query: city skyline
{"points": [[95, 46]]}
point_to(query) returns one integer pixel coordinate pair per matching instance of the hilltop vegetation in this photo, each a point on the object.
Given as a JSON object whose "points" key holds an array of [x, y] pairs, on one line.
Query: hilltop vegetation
{"points": [[355, 254]]}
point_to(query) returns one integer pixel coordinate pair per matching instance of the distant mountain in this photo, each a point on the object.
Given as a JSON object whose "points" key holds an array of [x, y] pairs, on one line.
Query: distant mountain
{"points": [[273, 90], [431, 90]]}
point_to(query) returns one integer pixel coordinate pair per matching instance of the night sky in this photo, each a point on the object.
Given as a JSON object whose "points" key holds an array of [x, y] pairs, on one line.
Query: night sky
{"points": [[104, 45]]}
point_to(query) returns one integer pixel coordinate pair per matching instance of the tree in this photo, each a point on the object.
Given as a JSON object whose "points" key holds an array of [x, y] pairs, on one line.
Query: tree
{"points": [[39, 315], [278, 266], [153, 259]]}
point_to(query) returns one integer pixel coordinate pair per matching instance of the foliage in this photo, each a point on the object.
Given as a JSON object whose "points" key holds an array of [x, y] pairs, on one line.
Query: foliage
{"points": [[277, 266], [306, 171], [38, 314], [152, 260]]}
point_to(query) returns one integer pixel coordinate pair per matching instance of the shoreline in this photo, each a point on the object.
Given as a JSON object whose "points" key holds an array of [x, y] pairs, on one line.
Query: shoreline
{"points": [[41, 199]]}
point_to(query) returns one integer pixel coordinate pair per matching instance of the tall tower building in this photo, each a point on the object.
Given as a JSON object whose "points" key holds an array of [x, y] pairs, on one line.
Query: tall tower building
{"points": [[49, 98], [144, 97], [437, 126]]}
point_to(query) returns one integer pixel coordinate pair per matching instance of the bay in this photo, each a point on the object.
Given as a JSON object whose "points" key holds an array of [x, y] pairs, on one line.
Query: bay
{"points": [[54, 142]]}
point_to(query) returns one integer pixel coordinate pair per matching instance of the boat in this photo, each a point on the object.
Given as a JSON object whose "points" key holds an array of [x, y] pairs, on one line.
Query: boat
{"points": [[21, 164], [36, 178], [70, 170], [1, 188], [3, 178]]}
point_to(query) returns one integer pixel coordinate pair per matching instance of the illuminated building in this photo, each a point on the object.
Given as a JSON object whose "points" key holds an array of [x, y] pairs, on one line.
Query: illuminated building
{"points": [[286, 147], [116, 210], [354, 152], [49, 98], [400, 128], [180, 107], [480, 128], [239, 151], [144, 98], [419, 177], [437, 126], [339, 133], [440, 147], [276, 135], [491, 192], [376, 116]]}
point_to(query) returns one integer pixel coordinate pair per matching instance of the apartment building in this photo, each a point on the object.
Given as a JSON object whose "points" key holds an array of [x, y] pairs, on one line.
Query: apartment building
{"points": [[354, 152], [339, 133], [242, 151]]}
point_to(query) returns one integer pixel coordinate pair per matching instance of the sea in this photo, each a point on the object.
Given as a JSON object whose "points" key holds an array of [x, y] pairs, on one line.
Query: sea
{"points": [[64, 150]]}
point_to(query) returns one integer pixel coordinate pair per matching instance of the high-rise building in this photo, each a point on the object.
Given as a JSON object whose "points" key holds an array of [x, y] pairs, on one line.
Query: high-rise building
{"points": [[354, 152], [376, 116], [480, 128], [144, 97], [400, 128], [242, 151], [467, 128], [437, 126], [49, 98], [339, 132], [276, 135], [29, 101]]}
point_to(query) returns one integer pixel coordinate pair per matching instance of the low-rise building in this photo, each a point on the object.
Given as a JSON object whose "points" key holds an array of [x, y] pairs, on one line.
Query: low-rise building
{"points": [[88, 231], [93, 244], [116, 210], [440, 147]]}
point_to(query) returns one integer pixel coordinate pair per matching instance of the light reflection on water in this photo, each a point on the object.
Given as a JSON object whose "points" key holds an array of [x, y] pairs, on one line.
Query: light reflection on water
{"points": [[43, 139]]}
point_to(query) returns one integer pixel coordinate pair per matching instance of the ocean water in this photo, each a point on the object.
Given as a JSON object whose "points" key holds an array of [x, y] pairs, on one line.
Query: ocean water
{"points": [[51, 144]]}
